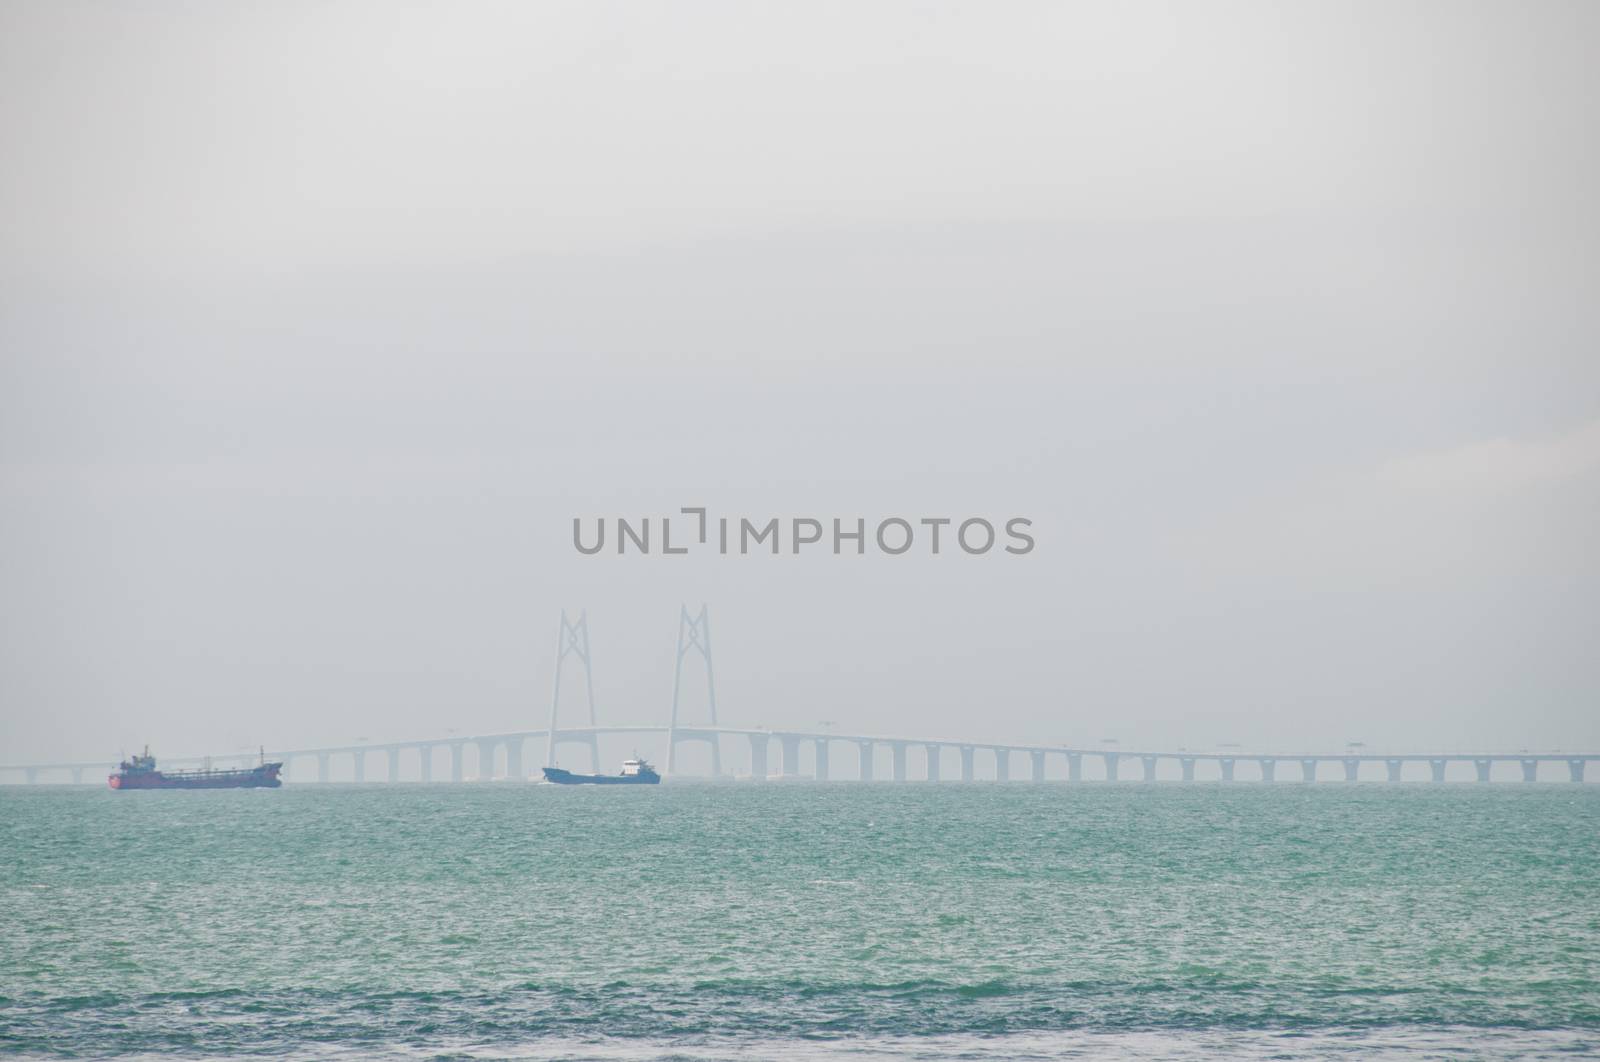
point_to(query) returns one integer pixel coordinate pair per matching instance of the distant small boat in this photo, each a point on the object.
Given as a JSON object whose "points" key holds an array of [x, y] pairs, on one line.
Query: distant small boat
{"points": [[634, 772], [140, 773]]}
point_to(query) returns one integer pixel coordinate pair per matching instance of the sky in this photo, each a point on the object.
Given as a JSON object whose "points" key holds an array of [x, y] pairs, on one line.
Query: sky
{"points": [[321, 322]]}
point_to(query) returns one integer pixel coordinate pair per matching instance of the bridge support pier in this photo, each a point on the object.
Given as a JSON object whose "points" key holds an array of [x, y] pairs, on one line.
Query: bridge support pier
{"points": [[514, 760], [864, 761], [758, 757], [1111, 765], [1074, 766], [77, 776], [1575, 766], [933, 762], [822, 759], [1308, 770], [394, 765], [1482, 767], [322, 766], [1187, 763], [1352, 768], [1438, 769], [31, 775], [425, 761], [1393, 767], [485, 760], [712, 741], [1530, 770], [1002, 765], [360, 756], [899, 749], [1149, 767], [966, 763], [457, 755], [788, 757], [1269, 768], [1227, 768], [1037, 759]]}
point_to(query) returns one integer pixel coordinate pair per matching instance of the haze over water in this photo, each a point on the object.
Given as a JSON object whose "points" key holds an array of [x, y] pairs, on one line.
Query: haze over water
{"points": [[874, 921], [322, 323]]}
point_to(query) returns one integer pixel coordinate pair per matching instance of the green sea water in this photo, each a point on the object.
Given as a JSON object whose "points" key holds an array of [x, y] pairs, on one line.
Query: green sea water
{"points": [[802, 920]]}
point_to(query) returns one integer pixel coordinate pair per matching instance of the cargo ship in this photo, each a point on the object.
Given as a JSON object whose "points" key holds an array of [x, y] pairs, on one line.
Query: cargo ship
{"points": [[140, 773], [634, 772]]}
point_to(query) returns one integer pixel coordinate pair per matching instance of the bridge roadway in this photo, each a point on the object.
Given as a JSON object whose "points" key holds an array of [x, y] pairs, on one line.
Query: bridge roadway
{"points": [[501, 756]]}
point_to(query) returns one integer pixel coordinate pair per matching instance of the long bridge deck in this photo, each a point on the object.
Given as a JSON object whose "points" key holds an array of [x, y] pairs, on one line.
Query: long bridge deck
{"points": [[501, 756]]}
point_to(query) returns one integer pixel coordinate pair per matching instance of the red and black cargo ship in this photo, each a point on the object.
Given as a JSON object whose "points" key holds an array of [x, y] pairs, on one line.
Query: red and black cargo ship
{"points": [[140, 773]]}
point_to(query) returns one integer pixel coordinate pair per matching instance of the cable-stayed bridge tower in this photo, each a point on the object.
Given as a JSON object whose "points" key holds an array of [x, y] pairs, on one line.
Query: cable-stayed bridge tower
{"points": [[573, 640], [694, 636]]}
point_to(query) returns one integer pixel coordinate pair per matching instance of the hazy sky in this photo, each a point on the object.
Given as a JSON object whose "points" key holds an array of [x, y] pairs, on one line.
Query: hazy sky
{"points": [[320, 322]]}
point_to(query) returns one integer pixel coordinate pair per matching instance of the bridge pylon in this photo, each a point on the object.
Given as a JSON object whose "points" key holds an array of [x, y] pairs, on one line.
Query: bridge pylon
{"points": [[573, 640], [694, 636]]}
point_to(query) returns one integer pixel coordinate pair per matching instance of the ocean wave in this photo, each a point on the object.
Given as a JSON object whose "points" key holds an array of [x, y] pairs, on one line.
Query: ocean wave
{"points": [[236, 1021]]}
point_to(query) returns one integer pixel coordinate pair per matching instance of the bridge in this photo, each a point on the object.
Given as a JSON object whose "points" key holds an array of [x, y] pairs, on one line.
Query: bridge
{"points": [[502, 756], [495, 757]]}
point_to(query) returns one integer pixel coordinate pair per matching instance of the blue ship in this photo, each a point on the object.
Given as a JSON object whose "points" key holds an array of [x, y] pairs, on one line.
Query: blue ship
{"points": [[634, 772]]}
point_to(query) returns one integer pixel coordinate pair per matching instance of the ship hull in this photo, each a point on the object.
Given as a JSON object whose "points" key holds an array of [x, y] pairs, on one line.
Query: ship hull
{"points": [[263, 777], [560, 777]]}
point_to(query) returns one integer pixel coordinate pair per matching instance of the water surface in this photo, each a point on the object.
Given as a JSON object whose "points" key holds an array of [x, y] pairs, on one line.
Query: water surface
{"points": [[791, 921]]}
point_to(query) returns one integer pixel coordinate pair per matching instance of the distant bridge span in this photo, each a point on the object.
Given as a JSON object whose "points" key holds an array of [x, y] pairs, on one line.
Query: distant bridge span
{"points": [[501, 756]]}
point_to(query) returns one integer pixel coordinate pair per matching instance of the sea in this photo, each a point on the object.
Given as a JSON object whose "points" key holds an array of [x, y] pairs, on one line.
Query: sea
{"points": [[751, 921]]}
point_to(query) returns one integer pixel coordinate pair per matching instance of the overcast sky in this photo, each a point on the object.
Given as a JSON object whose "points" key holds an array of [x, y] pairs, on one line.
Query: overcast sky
{"points": [[320, 322]]}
